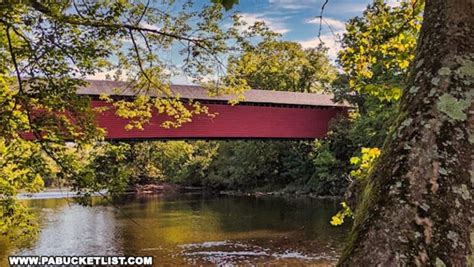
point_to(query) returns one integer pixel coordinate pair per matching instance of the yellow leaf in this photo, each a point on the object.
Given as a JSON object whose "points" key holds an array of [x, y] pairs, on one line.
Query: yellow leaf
{"points": [[354, 160]]}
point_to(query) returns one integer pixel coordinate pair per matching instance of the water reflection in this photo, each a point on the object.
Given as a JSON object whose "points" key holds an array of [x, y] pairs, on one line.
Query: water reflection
{"points": [[192, 229]]}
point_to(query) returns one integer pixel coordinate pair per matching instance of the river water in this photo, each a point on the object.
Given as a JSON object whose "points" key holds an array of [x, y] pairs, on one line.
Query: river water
{"points": [[192, 229]]}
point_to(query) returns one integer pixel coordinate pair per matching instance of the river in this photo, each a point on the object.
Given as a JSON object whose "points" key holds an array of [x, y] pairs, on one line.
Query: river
{"points": [[190, 229]]}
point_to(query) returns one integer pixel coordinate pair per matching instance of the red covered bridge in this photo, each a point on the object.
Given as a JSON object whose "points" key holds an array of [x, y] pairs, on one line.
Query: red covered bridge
{"points": [[263, 115]]}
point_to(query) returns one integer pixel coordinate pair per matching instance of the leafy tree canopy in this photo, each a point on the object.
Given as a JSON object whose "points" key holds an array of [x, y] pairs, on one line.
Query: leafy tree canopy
{"points": [[283, 66], [378, 48], [49, 48], [227, 4]]}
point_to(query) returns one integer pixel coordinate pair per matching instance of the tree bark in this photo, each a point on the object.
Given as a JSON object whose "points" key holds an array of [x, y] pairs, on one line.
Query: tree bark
{"points": [[417, 207]]}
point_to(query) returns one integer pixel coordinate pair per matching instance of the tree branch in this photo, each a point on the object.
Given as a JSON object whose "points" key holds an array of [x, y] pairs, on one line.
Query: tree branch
{"points": [[74, 20], [321, 20]]}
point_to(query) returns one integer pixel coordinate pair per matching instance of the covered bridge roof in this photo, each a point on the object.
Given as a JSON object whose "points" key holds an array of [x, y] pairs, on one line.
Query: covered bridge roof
{"points": [[98, 87]]}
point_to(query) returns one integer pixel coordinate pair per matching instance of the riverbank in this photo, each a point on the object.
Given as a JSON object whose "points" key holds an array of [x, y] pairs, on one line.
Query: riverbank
{"points": [[152, 189], [280, 194], [51, 193], [170, 188]]}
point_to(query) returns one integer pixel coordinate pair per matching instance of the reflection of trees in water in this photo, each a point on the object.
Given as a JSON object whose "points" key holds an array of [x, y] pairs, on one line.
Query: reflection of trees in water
{"points": [[159, 225], [6, 247], [237, 214], [163, 223], [25, 235], [18, 225], [69, 228], [167, 221]]}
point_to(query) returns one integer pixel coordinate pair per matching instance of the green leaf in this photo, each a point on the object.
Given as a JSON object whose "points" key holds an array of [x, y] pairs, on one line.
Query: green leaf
{"points": [[227, 4]]}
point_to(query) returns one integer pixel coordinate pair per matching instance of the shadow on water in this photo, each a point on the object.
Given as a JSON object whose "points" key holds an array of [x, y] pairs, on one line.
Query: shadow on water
{"points": [[192, 229]]}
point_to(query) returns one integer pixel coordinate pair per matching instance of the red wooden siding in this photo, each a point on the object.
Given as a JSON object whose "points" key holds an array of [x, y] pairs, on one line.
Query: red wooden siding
{"points": [[240, 121]]}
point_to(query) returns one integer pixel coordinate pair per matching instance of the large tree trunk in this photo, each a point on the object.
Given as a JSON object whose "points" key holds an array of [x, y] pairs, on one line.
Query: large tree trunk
{"points": [[417, 206]]}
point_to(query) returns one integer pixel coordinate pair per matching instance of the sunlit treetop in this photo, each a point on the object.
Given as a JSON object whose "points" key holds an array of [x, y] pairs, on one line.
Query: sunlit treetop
{"points": [[49, 48], [283, 66], [52, 46], [227, 4], [379, 46]]}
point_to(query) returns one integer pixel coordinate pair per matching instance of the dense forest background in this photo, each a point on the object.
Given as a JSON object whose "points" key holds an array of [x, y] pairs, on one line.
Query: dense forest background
{"points": [[371, 80], [369, 74], [403, 154]]}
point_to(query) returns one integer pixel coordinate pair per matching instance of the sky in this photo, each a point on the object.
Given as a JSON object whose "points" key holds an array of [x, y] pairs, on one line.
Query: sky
{"points": [[297, 19]]}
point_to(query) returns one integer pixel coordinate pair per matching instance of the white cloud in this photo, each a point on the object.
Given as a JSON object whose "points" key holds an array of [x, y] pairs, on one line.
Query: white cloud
{"points": [[329, 40], [182, 80], [293, 4], [336, 28], [275, 25], [334, 24], [335, 7], [332, 31], [348, 8]]}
